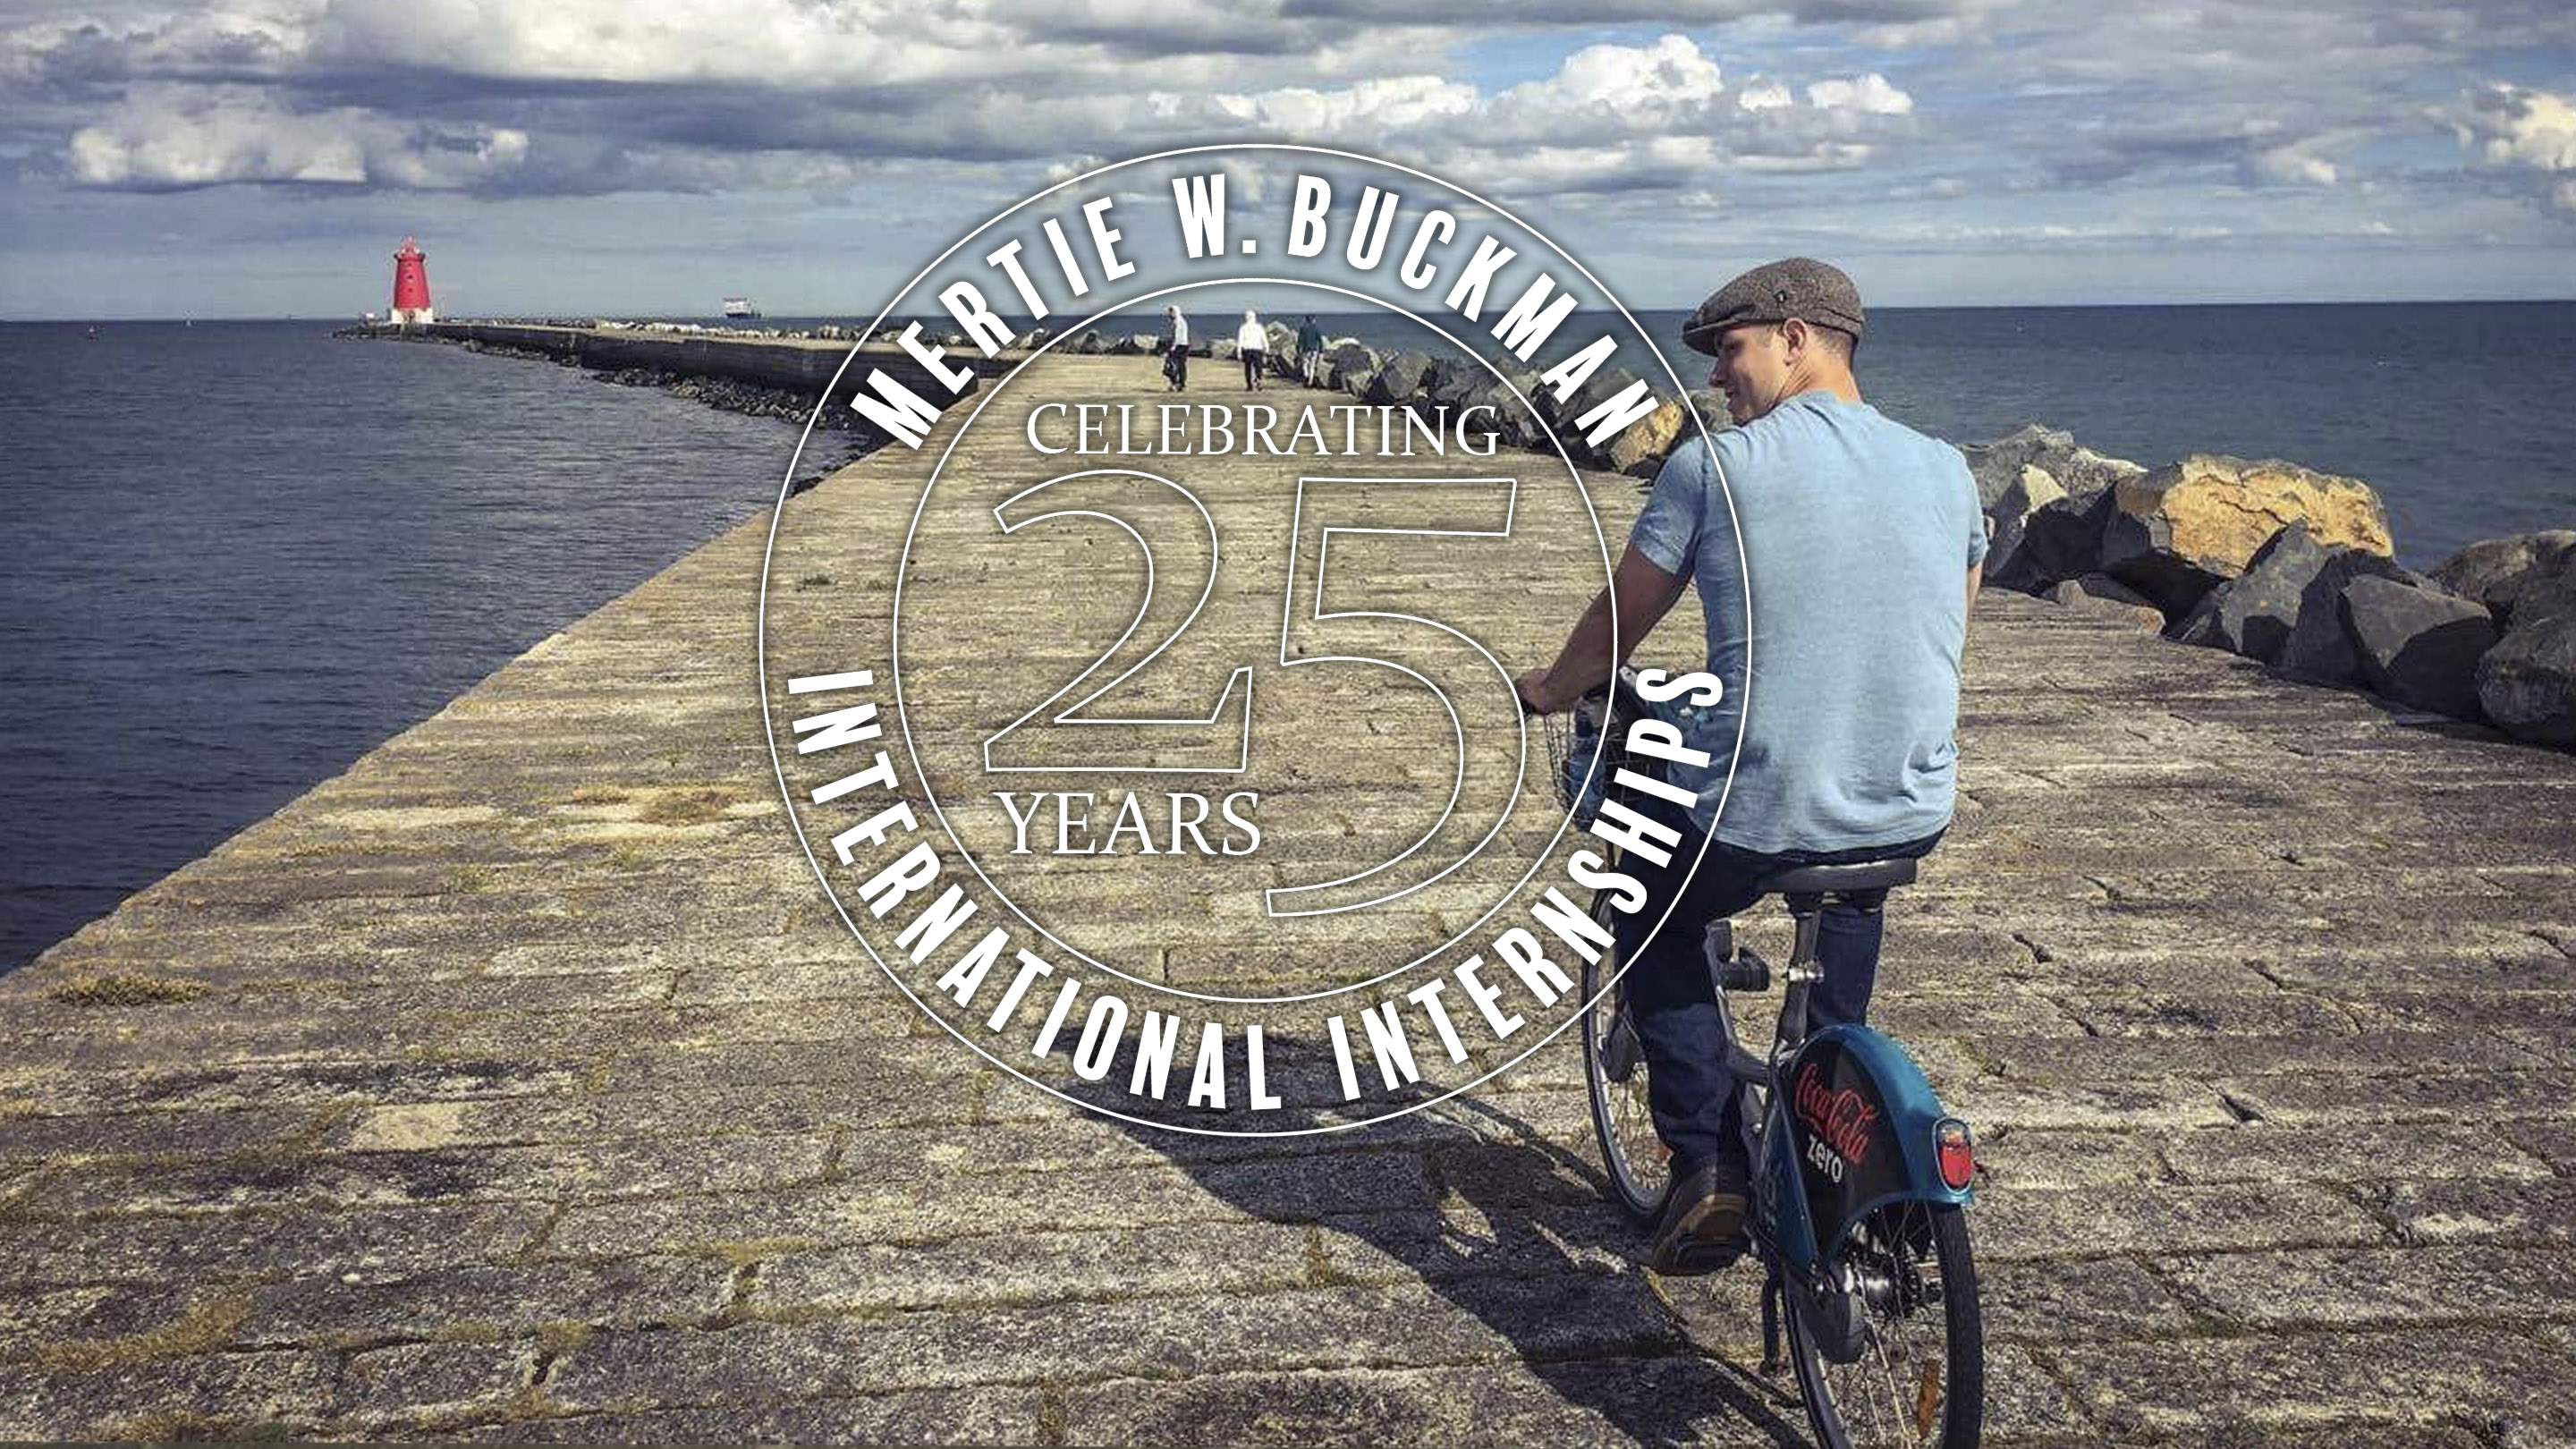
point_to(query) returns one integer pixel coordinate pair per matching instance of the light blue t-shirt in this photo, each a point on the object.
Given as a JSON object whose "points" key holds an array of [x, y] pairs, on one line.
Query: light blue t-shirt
{"points": [[1858, 533]]}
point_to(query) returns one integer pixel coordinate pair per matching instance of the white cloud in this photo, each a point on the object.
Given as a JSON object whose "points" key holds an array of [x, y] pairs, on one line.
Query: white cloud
{"points": [[2297, 164], [1666, 78], [2511, 125], [778, 42], [1610, 120], [1870, 94], [859, 46], [1365, 110], [171, 137], [803, 92], [2524, 130]]}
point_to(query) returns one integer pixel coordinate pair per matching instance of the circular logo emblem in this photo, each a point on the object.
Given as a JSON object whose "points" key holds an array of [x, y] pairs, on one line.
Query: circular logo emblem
{"points": [[1145, 704]]}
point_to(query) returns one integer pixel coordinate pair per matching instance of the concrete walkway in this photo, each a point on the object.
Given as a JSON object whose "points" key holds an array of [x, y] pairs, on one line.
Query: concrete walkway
{"points": [[519, 1083]]}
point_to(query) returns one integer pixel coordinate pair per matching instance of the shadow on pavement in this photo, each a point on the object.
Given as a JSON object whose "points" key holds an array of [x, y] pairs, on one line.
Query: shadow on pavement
{"points": [[1524, 1243]]}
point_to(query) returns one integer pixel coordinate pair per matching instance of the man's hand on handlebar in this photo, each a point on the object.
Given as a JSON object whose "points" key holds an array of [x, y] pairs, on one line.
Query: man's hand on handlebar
{"points": [[1536, 695]]}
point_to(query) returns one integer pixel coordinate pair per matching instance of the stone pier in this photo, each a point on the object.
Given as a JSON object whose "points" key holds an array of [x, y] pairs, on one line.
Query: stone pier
{"points": [[520, 1084], [799, 365]]}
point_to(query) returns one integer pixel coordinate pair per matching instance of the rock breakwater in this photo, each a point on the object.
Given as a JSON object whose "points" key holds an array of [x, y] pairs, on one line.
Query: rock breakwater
{"points": [[2293, 568]]}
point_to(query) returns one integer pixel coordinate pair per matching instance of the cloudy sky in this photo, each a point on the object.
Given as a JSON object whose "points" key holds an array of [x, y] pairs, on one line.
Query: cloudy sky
{"points": [[262, 157]]}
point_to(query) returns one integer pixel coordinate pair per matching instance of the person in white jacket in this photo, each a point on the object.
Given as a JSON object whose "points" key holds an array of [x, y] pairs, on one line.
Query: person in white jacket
{"points": [[1251, 343], [1176, 350]]}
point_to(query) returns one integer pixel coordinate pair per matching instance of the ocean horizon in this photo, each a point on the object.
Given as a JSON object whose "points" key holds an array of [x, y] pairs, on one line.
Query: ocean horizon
{"points": [[774, 319]]}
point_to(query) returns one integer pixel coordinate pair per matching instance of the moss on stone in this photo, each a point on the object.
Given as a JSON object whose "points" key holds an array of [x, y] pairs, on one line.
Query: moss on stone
{"points": [[127, 989], [685, 807], [179, 1426], [744, 1254], [1320, 1272], [208, 1325]]}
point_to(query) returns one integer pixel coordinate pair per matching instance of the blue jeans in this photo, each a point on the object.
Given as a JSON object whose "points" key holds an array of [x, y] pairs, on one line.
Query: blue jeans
{"points": [[1674, 1003]]}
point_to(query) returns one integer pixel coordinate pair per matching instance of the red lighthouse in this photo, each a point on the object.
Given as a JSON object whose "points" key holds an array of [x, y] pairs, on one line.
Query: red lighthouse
{"points": [[411, 285]]}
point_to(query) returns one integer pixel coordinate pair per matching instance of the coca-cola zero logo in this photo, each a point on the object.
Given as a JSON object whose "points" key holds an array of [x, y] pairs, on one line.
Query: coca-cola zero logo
{"points": [[1842, 1118]]}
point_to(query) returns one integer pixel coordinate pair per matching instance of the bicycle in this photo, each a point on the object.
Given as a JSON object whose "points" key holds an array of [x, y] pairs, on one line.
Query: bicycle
{"points": [[1859, 1179]]}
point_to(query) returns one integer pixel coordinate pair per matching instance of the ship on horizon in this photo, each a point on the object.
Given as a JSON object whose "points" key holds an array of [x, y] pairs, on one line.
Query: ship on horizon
{"points": [[740, 307]]}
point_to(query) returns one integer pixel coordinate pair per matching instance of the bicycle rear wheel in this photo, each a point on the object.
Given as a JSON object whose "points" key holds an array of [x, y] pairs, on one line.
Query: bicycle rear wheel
{"points": [[1920, 1379], [1614, 1074]]}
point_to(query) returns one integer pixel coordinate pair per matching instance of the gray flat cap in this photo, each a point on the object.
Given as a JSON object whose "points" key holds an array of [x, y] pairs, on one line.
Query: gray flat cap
{"points": [[1801, 287]]}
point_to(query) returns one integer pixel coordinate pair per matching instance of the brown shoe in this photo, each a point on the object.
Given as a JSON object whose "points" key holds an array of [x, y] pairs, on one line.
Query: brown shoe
{"points": [[1705, 1214]]}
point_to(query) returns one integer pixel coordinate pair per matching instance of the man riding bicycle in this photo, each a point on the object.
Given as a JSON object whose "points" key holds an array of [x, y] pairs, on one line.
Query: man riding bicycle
{"points": [[1854, 533]]}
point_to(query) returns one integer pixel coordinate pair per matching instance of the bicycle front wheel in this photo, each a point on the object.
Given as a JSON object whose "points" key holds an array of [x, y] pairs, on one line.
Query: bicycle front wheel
{"points": [[1614, 1073], [1920, 1379]]}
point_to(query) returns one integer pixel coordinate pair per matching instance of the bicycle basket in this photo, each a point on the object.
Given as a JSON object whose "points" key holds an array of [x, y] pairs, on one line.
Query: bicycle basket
{"points": [[1575, 747], [1591, 747]]}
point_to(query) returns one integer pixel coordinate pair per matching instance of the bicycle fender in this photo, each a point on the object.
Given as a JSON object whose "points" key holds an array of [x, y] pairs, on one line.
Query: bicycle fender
{"points": [[1780, 1216], [1858, 1124]]}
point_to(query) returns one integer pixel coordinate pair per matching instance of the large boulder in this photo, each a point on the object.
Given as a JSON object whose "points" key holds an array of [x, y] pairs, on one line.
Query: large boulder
{"points": [[1599, 389], [2495, 572], [1398, 380], [2008, 511], [1350, 366], [2320, 648], [1638, 449], [1453, 381], [1502, 421], [2060, 539], [1512, 418], [2417, 645], [1222, 350], [2527, 683], [2251, 614], [1504, 418], [2079, 470], [2176, 533], [1997, 465], [2101, 594], [2055, 538]]}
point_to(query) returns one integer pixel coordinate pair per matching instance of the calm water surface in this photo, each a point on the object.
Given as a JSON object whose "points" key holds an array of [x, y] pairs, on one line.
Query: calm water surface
{"points": [[239, 555]]}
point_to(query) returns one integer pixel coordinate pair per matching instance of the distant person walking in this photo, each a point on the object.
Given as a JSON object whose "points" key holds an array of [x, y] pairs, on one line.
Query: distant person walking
{"points": [[1176, 350], [1252, 343], [1310, 352]]}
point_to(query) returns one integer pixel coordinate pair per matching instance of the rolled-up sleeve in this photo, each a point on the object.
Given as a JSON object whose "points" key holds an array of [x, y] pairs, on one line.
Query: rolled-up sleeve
{"points": [[1966, 488], [1676, 513]]}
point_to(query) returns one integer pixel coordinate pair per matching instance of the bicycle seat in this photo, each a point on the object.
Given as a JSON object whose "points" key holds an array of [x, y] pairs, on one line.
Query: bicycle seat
{"points": [[1825, 880]]}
